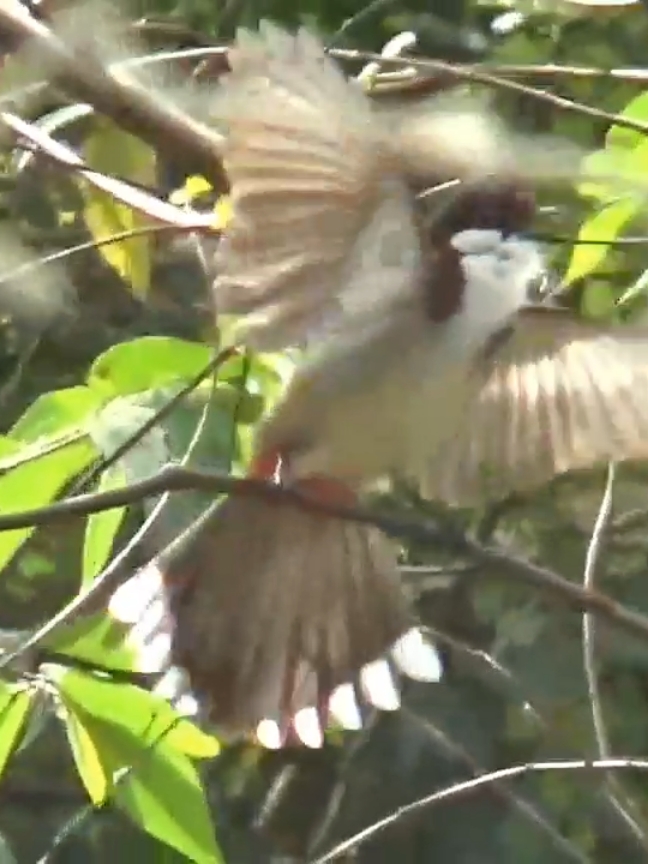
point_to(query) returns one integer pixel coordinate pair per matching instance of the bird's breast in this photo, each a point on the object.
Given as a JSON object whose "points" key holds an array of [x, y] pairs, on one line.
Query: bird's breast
{"points": [[394, 421]]}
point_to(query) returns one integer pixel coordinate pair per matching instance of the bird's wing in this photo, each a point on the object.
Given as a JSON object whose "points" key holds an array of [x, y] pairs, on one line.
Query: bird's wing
{"points": [[323, 229], [558, 395]]}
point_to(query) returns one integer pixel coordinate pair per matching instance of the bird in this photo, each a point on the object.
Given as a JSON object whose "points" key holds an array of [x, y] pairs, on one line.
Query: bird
{"points": [[422, 353]]}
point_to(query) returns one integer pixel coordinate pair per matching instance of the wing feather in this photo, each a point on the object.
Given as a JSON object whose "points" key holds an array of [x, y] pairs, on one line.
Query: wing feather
{"points": [[316, 191], [560, 396]]}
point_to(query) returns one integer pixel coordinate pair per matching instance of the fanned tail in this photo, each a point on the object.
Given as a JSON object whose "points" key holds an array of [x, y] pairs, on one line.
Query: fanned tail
{"points": [[275, 619]]}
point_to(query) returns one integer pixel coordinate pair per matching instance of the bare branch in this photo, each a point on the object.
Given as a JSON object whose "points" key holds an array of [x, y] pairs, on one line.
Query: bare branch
{"points": [[619, 798], [134, 108], [497, 563], [468, 787]]}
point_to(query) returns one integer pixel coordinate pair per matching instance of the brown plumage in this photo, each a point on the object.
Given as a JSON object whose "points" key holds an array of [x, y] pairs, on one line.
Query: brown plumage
{"points": [[418, 358]]}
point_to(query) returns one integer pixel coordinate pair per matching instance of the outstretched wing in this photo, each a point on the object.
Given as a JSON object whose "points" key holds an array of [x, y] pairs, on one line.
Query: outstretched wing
{"points": [[323, 225], [559, 395]]}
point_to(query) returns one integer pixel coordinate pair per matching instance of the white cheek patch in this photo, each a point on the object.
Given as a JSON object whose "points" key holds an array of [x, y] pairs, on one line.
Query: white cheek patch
{"points": [[496, 262], [475, 241], [499, 273]]}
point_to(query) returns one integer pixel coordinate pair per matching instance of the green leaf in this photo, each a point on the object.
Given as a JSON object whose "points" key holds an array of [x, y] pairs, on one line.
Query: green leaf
{"points": [[162, 793], [96, 777], [605, 225], [15, 705], [622, 138], [96, 639], [55, 412], [227, 398], [123, 705], [112, 151], [598, 301], [185, 737], [135, 709], [102, 528], [165, 796], [604, 173], [37, 483], [152, 361], [616, 173], [194, 187], [119, 421]]}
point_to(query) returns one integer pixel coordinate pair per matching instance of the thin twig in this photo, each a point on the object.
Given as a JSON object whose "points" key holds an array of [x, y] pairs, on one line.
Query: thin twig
{"points": [[154, 420], [356, 19], [131, 105], [556, 70], [475, 73], [336, 798], [479, 77], [503, 790], [86, 246], [468, 787], [619, 798]]}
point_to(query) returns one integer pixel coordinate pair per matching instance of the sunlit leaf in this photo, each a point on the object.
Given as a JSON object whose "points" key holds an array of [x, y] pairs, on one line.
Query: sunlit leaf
{"points": [[187, 738], [165, 796], [151, 361], [162, 793], [604, 226], [96, 779], [122, 704], [98, 640], [110, 150], [606, 174], [222, 212], [133, 708], [101, 528], [622, 138], [194, 187], [183, 736], [616, 173], [15, 705], [37, 483], [55, 412]]}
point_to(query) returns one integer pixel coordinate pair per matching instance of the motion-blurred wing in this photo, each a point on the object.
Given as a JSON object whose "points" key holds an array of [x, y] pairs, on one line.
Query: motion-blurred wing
{"points": [[323, 225], [559, 395]]}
